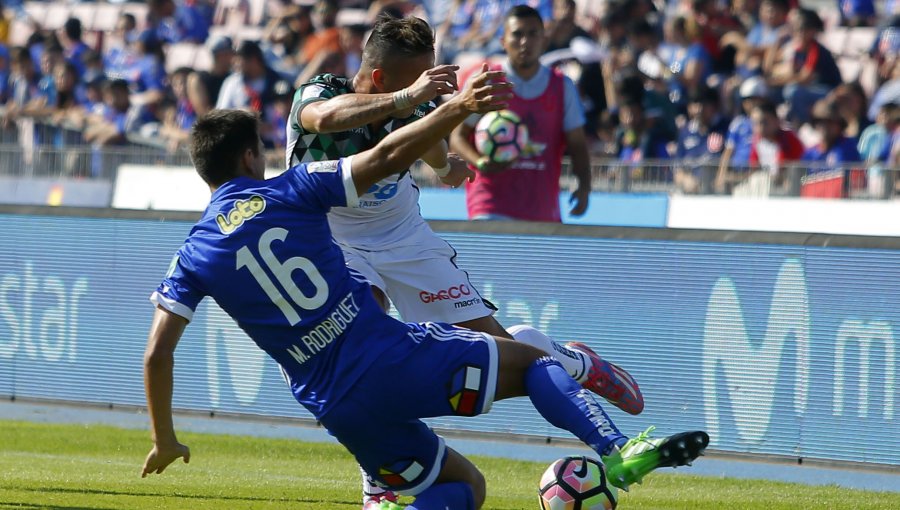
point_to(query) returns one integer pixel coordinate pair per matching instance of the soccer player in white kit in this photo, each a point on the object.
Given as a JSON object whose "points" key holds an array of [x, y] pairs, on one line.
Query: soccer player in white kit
{"points": [[385, 238]]}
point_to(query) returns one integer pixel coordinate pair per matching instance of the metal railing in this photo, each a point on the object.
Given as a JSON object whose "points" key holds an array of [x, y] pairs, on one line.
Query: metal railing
{"points": [[31, 147], [810, 179]]}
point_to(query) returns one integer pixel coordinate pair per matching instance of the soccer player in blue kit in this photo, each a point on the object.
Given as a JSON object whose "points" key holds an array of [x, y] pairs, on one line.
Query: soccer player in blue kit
{"points": [[263, 251]]}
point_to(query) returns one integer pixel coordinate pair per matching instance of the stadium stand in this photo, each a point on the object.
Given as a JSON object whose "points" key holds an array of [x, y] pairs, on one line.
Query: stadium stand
{"points": [[733, 43]]}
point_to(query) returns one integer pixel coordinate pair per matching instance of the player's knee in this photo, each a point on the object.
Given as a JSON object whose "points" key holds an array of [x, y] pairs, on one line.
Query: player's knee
{"points": [[517, 356], [479, 488], [460, 469]]}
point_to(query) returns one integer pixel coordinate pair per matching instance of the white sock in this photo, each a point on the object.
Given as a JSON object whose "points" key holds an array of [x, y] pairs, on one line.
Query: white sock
{"points": [[575, 362], [369, 489]]}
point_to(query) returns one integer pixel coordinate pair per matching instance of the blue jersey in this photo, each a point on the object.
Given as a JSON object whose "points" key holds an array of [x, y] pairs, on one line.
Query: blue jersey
{"points": [[263, 251], [740, 136]]}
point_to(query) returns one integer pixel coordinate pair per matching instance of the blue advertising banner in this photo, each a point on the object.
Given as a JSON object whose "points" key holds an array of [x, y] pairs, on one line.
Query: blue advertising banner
{"points": [[774, 349]]}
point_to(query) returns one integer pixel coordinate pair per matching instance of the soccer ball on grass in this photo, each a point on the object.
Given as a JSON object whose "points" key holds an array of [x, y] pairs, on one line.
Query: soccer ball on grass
{"points": [[576, 483]]}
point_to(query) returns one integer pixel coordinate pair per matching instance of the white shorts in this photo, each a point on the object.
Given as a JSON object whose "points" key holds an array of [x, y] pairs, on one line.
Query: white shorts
{"points": [[422, 280]]}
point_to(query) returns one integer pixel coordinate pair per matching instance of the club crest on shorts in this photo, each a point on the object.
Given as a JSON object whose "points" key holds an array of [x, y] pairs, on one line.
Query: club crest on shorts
{"points": [[400, 473], [465, 388]]}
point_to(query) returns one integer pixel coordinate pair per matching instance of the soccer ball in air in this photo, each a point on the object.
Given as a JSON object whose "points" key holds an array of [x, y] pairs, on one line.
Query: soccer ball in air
{"points": [[576, 483], [501, 136]]}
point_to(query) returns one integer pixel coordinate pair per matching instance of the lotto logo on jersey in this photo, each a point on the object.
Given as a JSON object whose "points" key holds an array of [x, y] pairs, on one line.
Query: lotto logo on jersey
{"points": [[243, 210], [454, 292]]}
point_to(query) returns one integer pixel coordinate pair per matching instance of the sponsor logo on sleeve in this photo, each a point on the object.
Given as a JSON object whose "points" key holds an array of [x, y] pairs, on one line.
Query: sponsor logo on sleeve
{"points": [[243, 210]]}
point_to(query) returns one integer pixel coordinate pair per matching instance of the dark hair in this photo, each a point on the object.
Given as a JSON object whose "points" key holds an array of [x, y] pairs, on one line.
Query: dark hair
{"points": [[219, 139], [781, 4], [767, 107], [118, 83], [706, 95], [249, 49], [130, 19], [523, 12], [21, 55], [810, 20], [182, 70], [641, 27], [397, 39], [73, 29]]}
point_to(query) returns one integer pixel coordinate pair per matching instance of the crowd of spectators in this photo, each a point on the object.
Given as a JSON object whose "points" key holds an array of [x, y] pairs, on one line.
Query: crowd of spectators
{"points": [[698, 93]]}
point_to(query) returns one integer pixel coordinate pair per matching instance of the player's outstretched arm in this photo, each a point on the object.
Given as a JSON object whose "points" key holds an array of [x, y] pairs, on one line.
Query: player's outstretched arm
{"points": [[487, 92], [349, 111], [451, 169], [159, 362]]}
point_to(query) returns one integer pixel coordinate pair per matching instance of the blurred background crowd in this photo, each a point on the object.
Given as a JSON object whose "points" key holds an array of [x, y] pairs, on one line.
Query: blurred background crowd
{"points": [[700, 96]]}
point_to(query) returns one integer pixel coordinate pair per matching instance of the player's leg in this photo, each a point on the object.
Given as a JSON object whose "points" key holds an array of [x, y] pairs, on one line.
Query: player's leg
{"points": [[603, 377], [361, 267], [426, 285], [404, 454], [526, 371]]}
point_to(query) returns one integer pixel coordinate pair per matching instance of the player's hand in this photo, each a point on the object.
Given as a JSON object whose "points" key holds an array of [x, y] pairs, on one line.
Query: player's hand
{"points": [[485, 92], [161, 456], [434, 82], [459, 172], [579, 200], [485, 165]]}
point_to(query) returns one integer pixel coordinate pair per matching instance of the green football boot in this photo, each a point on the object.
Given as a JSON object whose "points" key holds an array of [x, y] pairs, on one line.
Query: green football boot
{"points": [[383, 505], [643, 454]]}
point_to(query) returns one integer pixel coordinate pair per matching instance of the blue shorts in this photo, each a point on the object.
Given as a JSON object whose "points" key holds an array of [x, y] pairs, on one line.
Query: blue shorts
{"points": [[441, 371]]}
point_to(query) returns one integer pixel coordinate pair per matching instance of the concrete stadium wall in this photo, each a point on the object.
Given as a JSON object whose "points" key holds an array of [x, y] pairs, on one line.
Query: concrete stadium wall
{"points": [[850, 217], [775, 344]]}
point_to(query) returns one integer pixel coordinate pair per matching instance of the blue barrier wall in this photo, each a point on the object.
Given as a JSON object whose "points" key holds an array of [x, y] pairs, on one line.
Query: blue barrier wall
{"points": [[775, 349], [610, 209]]}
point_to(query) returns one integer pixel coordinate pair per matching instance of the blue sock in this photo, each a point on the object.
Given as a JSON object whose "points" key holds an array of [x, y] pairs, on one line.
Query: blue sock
{"points": [[455, 495], [565, 404]]}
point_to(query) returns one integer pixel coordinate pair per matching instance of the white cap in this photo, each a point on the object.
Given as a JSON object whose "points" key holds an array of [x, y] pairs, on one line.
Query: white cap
{"points": [[754, 86]]}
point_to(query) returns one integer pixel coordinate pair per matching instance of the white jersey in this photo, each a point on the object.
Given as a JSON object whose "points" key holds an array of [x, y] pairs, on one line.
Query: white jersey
{"points": [[389, 210]]}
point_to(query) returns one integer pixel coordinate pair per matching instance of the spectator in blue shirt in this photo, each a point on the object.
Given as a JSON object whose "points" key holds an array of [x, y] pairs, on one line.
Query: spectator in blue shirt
{"points": [[835, 151], [73, 47], [120, 54], [5, 78], [736, 157], [886, 49], [178, 22], [24, 78], [450, 33], [857, 13], [700, 141], [635, 139], [181, 117], [52, 56], [875, 143], [770, 31], [486, 26], [808, 70], [146, 75], [875, 146], [277, 113], [688, 63]]}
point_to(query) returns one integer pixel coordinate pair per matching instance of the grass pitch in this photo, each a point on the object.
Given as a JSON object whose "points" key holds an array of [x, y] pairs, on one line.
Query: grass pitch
{"points": [[71, 467]]}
